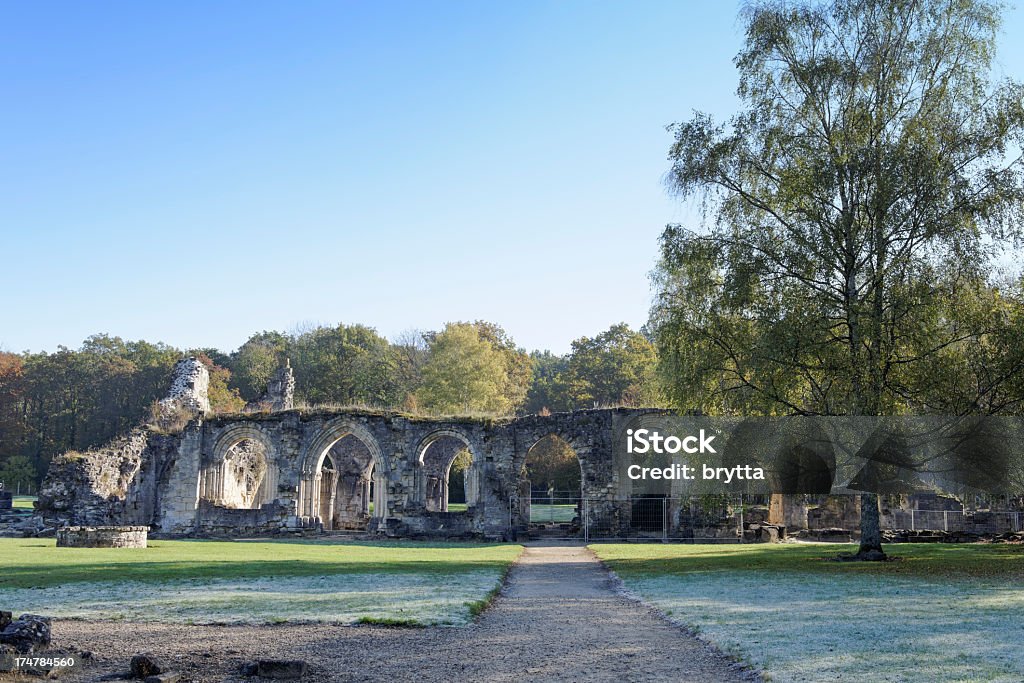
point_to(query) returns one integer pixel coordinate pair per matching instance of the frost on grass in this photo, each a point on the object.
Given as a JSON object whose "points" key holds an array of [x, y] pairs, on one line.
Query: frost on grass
{"points": [[814, 628], [428, 599]]}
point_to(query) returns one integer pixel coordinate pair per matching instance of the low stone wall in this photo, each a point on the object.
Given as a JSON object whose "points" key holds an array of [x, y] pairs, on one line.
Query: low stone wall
{"points": [[435, 524], [270, 518], [102, 537]]}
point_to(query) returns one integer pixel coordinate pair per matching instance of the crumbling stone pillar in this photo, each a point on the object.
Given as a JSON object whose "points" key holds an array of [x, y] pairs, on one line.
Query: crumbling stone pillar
{"points": [[280, 392], [788, 510], [190, 385]]}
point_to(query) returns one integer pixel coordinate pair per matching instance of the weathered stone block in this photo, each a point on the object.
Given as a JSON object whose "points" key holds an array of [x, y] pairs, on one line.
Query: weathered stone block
{"points": [[102, 537]]}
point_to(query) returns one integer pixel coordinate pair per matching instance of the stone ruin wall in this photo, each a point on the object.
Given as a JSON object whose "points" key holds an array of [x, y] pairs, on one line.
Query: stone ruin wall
{"points": [[290, 471], [190, 386], [92, 488], [272, 470], [280, 393]]}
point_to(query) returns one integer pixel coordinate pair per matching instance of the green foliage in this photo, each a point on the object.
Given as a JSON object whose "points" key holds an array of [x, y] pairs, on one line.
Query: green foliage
{"points": [[223, 399], [345, 364], [255, 361], [14, 464], [552, 464], [855, 197], [18, 471], [72, 400], [471, 369], [549, 389], [457, 480], [463, 461], [409, 351], [518, 363], [982, 372], [617, 367]]}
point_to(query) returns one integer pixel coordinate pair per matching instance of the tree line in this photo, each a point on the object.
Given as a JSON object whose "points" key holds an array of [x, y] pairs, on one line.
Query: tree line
{"points": [[74, 399]]}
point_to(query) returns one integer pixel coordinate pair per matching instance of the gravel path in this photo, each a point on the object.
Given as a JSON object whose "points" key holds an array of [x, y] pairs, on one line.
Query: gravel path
{"points": [[559, 618]]}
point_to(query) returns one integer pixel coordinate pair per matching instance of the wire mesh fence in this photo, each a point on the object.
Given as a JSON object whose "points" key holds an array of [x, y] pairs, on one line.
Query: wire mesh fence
{"points": [[718, 518], [641, 517], [966, 521]]}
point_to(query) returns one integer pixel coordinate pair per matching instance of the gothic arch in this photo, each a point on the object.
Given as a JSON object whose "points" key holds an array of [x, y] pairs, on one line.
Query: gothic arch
{"points": [[317, 452], [242, 470], [432, 478]]}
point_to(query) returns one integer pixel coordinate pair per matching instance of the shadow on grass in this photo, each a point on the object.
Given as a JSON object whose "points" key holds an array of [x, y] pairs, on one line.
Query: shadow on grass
{"points": [[35, 565]]}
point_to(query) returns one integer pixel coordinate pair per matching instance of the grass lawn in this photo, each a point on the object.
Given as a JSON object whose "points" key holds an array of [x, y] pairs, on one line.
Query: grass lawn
{"points": [[253, 581], [24, 502], [940, 613]]}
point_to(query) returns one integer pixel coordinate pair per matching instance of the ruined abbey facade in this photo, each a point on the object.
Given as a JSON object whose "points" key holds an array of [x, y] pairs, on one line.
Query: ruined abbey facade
{"points": [[275, 468]]}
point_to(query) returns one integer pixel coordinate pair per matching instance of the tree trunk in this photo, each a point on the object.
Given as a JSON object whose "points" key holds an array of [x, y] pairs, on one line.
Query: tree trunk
{"points": [[870, 528]]}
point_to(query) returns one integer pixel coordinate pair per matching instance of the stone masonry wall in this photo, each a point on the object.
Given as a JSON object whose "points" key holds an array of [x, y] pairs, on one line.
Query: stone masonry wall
{"points": [[91, 488], [174, 482], [102, 537], [188, 483]]}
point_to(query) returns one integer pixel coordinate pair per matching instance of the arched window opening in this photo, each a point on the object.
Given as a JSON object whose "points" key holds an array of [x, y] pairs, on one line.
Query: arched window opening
{"points": [[450, 474], [242, 479], [550, 488]]}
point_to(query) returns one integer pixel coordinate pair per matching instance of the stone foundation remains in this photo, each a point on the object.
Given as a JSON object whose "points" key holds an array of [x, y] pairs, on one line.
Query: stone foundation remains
{"points": [[102, 537]]}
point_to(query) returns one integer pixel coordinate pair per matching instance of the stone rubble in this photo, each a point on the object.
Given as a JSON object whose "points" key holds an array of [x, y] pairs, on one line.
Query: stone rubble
{"points": [[145, 664], [27, 634]]}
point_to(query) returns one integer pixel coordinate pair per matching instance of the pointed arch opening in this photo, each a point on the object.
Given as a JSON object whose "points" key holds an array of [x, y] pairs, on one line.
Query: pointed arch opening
{"points": [[242, 474], [551, 487], [344, 480], [450, 476], [345, 498]]}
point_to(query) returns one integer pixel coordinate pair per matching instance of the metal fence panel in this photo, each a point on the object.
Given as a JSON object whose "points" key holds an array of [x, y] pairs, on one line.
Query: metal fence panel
{"points": [[707, 519], [639, 518]]}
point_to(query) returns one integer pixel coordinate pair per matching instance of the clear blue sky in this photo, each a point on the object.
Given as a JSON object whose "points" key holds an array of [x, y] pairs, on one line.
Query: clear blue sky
{"points": [[196, 172]]}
